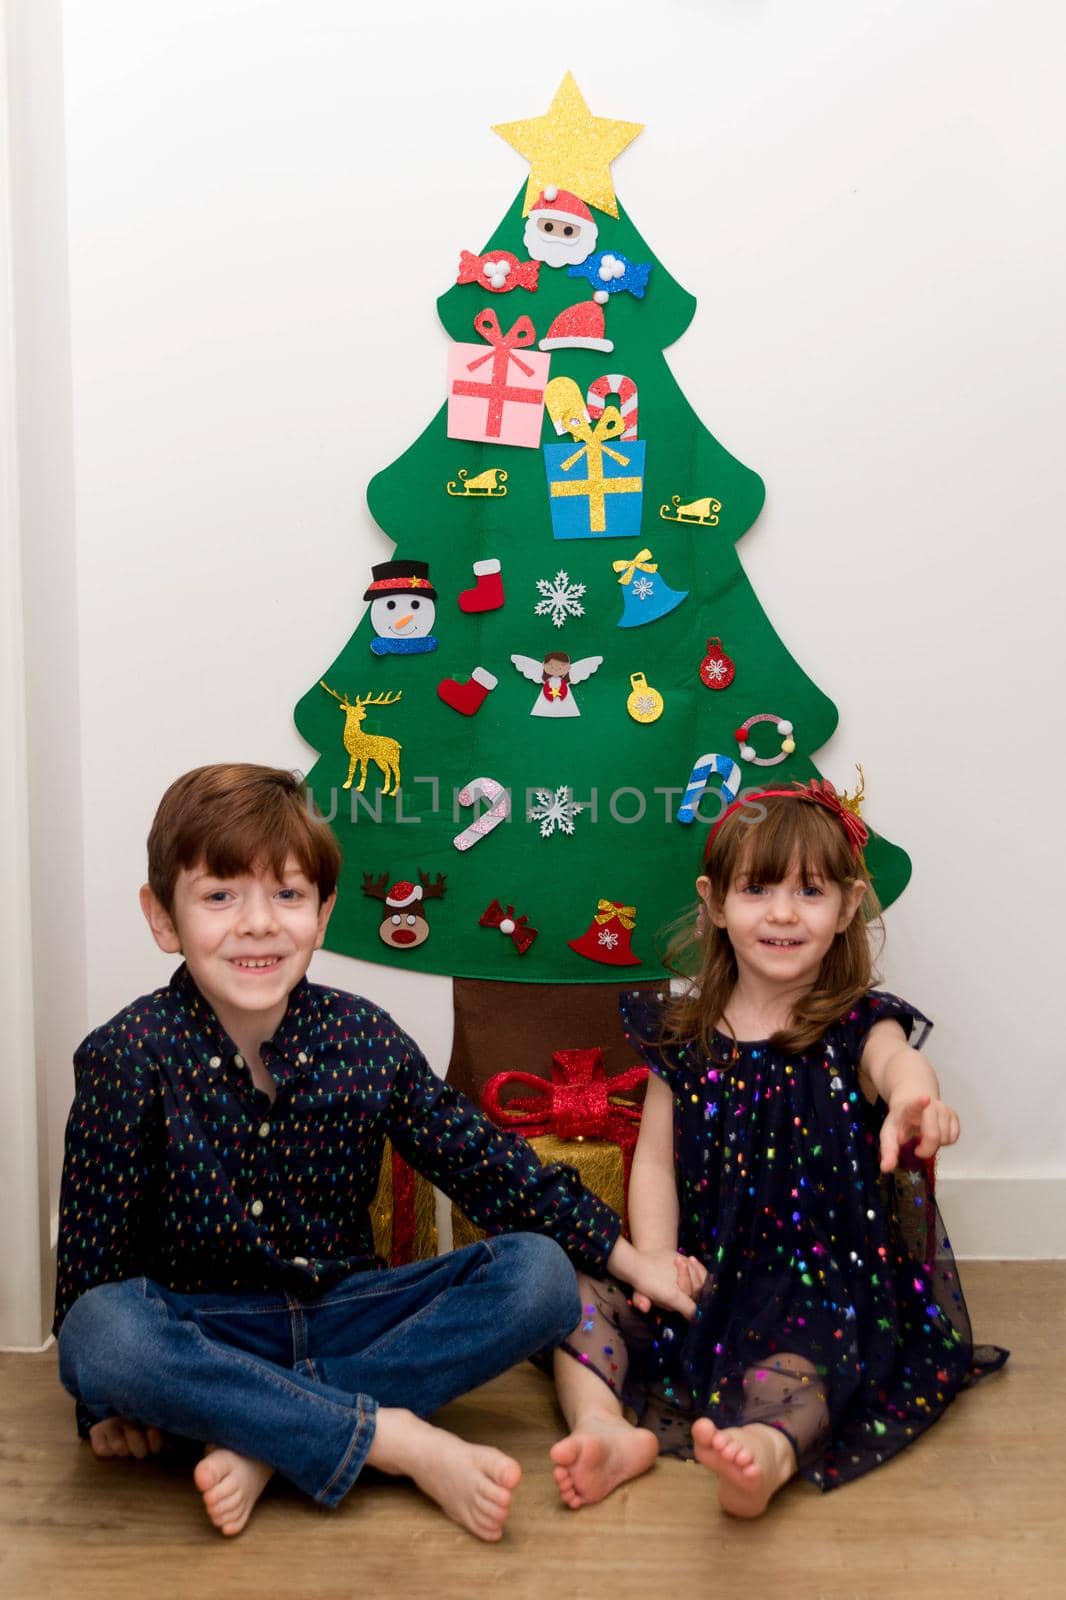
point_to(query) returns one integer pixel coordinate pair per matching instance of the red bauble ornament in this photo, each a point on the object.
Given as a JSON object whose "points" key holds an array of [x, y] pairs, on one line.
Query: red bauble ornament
{"points": [[716, 668]]}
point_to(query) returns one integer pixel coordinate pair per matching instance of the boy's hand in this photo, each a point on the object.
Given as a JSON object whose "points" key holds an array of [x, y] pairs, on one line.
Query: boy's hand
{"points": [[658, 1277], [916, 1116], [121, 1436], [691, 1274]]}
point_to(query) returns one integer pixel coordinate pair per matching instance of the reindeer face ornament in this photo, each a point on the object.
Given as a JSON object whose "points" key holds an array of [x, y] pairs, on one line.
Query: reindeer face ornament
{"points": [[404, 925]]}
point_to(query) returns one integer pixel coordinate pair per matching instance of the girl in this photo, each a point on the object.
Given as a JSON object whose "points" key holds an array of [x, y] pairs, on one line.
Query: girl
{"points": [[777, 1165]]}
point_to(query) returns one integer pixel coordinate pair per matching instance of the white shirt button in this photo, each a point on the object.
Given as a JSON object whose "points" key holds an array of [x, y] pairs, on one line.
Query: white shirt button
{"points": [[300, 1261], [214, 1063], [238, 1061], [302, 1058], [256, 1208], [264, 1129]]}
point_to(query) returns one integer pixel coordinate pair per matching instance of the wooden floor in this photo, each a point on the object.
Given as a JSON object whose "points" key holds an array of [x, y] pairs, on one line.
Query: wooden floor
{"points": [[975, 1510]]}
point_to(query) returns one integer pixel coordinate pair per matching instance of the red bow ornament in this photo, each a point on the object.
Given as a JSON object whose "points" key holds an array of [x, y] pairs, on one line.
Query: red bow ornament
{"points": [[516, 929], [580, 1102]]}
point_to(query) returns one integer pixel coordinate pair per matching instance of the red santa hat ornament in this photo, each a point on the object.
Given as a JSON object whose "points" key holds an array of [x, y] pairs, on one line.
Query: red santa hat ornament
{"points": [[579, 327], [560, 204], [403, 894]]}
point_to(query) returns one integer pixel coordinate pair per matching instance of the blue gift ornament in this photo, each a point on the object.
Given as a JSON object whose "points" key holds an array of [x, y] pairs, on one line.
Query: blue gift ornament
{"points": [[610, 270], [596, 491], [646, 595]]}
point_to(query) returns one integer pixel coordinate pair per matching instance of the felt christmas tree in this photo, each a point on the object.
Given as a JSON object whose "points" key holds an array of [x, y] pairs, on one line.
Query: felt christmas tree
{"points": [[564, 674]]}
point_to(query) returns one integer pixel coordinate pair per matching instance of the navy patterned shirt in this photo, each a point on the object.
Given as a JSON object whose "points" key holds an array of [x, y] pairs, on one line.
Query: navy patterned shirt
{"points": [[179, 1169]]}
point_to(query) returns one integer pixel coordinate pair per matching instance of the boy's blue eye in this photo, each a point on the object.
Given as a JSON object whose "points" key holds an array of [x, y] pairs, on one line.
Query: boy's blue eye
{"points": [[217, 896]]}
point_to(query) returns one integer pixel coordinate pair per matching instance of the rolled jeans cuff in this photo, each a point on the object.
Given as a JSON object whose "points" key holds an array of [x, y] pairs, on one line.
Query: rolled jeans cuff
{"points": [[351, 1463]]}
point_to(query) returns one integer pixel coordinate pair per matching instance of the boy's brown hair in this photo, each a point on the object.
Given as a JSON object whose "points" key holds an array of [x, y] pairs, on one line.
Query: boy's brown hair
{"points": [[233, 818], [762, 842]]}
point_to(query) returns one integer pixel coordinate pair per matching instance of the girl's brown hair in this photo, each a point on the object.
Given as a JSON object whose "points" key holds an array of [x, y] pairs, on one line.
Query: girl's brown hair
{"points": [[234, 818], [762, 841]]}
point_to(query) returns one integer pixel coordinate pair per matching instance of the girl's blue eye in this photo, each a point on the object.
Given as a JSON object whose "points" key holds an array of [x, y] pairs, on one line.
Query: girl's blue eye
{"points": [[812, 889]]}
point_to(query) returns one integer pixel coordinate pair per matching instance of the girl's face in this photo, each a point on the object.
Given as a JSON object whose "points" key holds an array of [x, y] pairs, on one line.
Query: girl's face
{"points": [[780, 932]]}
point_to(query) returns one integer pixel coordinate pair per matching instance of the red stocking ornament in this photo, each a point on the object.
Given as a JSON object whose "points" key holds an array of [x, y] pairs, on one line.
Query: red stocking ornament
{"points": [[470, 696], [487, 593]]}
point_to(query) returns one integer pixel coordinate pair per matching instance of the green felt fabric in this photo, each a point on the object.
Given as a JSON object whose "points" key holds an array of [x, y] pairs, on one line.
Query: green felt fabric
{"points": [[558, 881]]}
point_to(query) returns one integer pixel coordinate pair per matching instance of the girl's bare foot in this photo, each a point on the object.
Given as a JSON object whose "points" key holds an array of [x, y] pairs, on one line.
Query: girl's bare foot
{"points": [[602, 1452], [230, 1484], [472, 1483], [751, 1463]]}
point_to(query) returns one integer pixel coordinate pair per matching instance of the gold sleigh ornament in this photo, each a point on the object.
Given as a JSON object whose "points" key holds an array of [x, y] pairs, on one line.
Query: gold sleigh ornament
{"points": [[490, 482], [702, 512], [644, 704]]}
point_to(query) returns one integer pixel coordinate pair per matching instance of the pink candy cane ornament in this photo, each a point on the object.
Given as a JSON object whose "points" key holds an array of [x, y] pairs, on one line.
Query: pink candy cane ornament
{"points": [[499, 810]]}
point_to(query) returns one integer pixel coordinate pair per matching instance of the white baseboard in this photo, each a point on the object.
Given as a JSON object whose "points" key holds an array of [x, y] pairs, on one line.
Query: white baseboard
{"points": [[1004, 1219]]}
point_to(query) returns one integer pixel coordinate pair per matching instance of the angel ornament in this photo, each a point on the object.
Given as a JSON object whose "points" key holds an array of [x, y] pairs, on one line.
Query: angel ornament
{"points": [[556, 675]]}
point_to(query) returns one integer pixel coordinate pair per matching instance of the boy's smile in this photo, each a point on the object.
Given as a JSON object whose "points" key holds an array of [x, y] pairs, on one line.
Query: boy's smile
{"points": [[247, 941]]}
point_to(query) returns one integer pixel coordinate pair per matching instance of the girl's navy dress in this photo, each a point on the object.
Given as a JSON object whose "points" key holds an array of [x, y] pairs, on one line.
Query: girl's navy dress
{"points": [[832, 1308]]}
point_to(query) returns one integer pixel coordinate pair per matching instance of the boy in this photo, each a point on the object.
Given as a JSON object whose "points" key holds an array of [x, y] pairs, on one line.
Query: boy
{"points": [[216, 1274]]}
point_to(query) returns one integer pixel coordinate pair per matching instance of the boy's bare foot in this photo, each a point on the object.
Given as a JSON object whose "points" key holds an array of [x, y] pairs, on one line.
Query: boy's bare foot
{"points": [[751, 1463], [230, 1484], [472, 1483], [601, 1453]]}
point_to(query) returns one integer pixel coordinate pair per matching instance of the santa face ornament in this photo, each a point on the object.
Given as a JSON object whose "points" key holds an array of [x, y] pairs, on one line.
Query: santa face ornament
{"points": [[559, 229]]}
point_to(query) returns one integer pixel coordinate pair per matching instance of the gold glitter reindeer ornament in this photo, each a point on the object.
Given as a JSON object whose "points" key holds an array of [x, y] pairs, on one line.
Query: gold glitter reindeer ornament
{"points": [[363, 747]]}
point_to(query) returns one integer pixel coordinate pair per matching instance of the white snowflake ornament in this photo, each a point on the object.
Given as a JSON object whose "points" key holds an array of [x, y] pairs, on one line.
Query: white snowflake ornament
{"points": [[562, 599], [555, 810]]}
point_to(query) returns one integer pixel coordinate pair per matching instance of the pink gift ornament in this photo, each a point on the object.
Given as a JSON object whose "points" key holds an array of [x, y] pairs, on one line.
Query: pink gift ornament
{"points": [[497, 396]]}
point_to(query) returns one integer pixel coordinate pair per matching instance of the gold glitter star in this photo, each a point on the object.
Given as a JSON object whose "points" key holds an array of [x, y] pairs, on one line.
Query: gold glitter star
{"points": [[571, 148]]}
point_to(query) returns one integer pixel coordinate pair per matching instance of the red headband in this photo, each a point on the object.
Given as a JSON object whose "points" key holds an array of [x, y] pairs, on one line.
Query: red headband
{"points": [[817, 793]]}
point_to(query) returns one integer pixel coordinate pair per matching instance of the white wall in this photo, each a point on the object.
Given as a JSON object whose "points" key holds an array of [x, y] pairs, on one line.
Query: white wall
{"points": [[264, 200]]}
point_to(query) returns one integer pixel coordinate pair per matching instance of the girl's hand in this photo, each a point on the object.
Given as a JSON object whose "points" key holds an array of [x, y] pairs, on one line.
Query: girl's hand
{"points": [[121, 1436], [917, 1116]]}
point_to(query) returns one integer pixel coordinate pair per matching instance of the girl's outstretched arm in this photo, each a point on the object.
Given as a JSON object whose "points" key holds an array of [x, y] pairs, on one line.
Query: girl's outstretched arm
{"points": [[907, 1084], [653, 1210]]}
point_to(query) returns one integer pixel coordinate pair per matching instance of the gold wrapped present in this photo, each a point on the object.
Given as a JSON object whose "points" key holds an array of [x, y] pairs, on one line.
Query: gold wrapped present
{"points": [[403, 1213], [599, 1163]]}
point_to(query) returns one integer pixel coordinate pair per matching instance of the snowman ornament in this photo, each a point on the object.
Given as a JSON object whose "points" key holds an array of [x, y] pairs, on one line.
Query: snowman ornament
{"points": [[403, 605]]}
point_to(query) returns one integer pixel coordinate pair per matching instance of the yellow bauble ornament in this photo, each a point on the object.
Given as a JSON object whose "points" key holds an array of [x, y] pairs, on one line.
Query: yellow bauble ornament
{"points": [[644, 704]]}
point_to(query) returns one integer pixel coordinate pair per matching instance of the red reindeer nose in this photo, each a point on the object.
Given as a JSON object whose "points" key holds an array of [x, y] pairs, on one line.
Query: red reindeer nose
{"points": [[403, 936]]}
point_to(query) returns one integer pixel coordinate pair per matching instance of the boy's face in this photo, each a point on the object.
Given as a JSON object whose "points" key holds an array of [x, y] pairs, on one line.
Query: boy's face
{"points": [[247, 941]]}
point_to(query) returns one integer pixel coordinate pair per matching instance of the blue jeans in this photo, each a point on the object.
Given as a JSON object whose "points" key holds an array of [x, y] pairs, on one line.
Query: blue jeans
{"points": [[297, 1383]]}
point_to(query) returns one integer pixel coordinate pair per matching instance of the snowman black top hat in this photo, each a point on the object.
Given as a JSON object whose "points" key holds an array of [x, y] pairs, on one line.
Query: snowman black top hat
{"points": [[400, 577]]}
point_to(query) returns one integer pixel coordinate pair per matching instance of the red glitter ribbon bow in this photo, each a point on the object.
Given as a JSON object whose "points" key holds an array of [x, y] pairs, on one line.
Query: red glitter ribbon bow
{"points": [[580, 1102], [516, 929], [520, 334]]}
